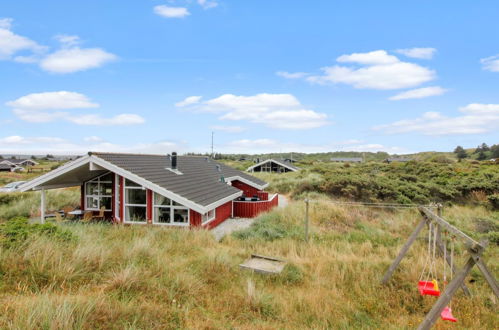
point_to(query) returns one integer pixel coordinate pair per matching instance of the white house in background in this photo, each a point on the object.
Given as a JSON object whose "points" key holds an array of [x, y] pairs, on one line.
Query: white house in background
{"points": [[18, 162], [274, 166]]}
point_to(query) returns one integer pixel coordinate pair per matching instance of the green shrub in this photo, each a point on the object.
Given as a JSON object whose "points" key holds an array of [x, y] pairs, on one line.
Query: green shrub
{"points": [[494, 201], [270, 227], [16, 231]]}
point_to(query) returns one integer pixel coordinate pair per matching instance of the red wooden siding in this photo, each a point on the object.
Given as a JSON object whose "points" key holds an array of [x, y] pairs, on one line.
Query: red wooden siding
{"points": [[149, 206], [252, 209], [222, 213], [250, 191]]}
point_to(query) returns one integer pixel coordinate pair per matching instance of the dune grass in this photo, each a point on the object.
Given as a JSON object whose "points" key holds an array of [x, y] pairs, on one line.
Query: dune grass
{"points": [[142, 277]]}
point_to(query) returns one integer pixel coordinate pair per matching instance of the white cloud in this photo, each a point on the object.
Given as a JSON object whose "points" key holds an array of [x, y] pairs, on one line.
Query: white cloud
{"points": [[11, 43], [93, 139], [206, 4], [490, 63], [69, 60], [419, 93], [282, 111], [271, 145], [52, 100], [370, 58], [228, 129], [476, 118], [425, 53], [55, 145], [97, 120], [374, 70], [291, 75], [171, 12], [188, 101], [43, 108], [68, 40]]}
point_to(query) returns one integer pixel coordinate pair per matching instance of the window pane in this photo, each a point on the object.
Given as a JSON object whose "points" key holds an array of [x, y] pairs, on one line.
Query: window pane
{"points": [[106, 188], [162, 215], [131, 183], [180, 216], [107, 177], [92, 188], [106, 202], [92, 203], [161, 200], [135, 213], [135, 196], [176, 204]]}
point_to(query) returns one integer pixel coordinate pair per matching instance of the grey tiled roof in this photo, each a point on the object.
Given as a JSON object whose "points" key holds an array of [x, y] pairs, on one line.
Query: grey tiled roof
{"points": [[346, 159], [199, 182]]}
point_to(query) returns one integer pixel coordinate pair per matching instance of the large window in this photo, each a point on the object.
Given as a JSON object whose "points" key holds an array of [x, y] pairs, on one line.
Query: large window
{"points": [[99, 193], [135, 202], [169, 212]]}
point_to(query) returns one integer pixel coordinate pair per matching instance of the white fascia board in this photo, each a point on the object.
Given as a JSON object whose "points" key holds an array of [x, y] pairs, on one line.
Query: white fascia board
{"points": [[149, 185], [38, 182], [248, 182]]}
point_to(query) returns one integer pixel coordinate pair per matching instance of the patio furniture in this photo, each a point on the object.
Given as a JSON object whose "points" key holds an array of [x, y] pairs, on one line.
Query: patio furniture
{"points": [[101, 215]]}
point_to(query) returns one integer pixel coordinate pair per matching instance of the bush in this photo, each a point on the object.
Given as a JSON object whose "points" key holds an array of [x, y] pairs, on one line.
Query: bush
{"points": [[494, 201], [270, 227], [17, 230]]}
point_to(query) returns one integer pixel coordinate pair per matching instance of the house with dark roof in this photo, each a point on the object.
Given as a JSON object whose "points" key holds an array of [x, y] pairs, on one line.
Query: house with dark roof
{"points": [[10, 168], [170, 190], [18, 162], [274, 166]]}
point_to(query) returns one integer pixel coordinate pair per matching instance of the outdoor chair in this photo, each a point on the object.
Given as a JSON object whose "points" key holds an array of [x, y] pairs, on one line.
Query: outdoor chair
{"points": [[101, 214]]}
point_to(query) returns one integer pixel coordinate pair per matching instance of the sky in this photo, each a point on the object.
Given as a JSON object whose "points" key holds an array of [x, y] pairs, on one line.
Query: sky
{"points": [[156, 76]]}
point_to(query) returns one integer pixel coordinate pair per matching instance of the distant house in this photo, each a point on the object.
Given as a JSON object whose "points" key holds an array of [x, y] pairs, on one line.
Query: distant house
{"points": [[290, 160], [169, 190], [274, 166], [18, 162], [347, 159], [398, 160], [10, 168]]}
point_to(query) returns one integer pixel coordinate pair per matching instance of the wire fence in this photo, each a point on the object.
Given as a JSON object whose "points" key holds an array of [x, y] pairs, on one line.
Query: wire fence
{"points": [[375, 205]]}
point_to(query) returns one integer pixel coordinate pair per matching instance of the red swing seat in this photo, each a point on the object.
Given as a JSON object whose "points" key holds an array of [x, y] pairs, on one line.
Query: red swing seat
{"points": [[428, 288], [446, 315]]}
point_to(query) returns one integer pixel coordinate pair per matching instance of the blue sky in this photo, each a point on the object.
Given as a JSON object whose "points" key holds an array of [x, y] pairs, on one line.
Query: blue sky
{"points": [[265, 76]]}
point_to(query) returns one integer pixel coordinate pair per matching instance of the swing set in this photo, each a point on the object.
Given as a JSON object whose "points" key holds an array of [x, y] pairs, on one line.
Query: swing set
{"points": [[428, 280]]}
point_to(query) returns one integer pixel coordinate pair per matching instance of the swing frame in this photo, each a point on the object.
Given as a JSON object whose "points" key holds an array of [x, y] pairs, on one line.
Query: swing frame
{"points": [[475, 251]]}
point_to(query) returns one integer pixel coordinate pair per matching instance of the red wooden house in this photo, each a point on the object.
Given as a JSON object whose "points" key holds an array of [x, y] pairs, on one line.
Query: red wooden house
{"points": [[165, 190]]}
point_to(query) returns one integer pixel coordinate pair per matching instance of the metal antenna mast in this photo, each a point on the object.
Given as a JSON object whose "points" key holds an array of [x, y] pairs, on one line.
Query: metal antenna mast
{"points": [[212, 133]]}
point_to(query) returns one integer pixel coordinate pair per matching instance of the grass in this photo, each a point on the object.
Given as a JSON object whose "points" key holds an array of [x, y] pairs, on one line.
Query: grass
{"points": [[141, 277]]}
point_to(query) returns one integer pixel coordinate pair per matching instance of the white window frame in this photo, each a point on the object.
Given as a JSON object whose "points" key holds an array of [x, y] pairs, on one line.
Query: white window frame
{"points": [[125, 204], [172, 212], [206, 218], [117, 196], [99, 196]]}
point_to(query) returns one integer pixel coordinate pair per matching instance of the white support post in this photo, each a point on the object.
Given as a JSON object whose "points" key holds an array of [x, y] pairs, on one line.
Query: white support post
{"points": [[42, 206]]}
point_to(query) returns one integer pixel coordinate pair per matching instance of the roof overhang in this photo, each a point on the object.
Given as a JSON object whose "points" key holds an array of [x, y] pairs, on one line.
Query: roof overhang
{"points": [[248, 182], [291, 168], [66, 176]]}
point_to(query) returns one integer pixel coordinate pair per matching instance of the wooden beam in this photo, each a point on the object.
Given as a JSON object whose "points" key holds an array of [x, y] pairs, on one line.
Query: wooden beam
{"points": [[487, 274], [42, 206], [449, 291], [403, 251], [433, 217]]}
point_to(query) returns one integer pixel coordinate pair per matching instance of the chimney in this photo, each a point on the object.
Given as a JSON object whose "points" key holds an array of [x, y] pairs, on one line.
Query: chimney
{"points": [[174, 160]]}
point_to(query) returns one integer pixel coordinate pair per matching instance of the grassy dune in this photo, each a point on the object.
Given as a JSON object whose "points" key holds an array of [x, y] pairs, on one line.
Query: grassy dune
{"points": [[141, 277]]}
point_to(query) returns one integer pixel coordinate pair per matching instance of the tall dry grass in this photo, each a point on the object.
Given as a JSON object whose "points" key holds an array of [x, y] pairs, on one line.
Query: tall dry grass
{"points": [[144, 277]]}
